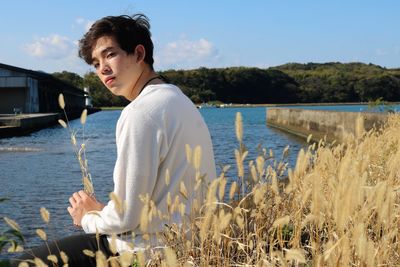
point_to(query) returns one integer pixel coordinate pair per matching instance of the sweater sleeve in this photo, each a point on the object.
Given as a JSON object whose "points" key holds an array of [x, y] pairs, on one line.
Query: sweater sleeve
{"points": [[139, 147]]}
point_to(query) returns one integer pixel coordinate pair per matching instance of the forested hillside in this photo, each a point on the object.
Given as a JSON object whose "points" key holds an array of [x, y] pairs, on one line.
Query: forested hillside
{"points": [[337, 82], [289, 83]]}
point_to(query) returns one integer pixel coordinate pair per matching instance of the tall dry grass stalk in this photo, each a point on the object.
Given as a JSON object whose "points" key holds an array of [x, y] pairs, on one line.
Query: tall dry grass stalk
{"points": [[79, 149]]}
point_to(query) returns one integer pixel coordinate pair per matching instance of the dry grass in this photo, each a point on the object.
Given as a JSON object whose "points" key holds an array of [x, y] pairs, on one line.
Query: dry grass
{"points": [[338, 207], [79, 150]]}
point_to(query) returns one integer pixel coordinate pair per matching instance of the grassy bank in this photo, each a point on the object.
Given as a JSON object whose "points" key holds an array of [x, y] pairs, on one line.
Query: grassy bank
{"points": [[111, 108]]}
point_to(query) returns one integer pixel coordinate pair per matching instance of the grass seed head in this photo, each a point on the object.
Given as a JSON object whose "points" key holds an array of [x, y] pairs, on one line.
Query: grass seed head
{"points": [[145, 216], [117, 202], [260, 164], [53, 258], [182, 209], [309, 138], [197, 157], [73, 139], [64, 257], [62, 123], [89, 253], [221, 189], [141, 258], [183, 190], [285, 152], [83, 116], [167, 177], [126, 258], [39, 262], [188, 151], [12, 224], [232, 190], [101, 260], [15, 248], [239, 127], [88, 186], [239, 163], [61, 101], [41, 234], [253, 172], [45, 214]]}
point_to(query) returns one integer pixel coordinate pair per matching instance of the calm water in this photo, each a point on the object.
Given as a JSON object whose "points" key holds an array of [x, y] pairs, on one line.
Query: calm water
{"points": [[40, 170]]}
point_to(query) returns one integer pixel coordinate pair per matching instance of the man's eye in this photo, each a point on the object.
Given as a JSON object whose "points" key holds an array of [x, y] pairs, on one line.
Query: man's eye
{"points": [[110, 55], [96, 65]]}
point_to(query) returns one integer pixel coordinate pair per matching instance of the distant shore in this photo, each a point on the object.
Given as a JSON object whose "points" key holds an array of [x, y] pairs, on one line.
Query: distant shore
{"points": [[222, 105], [294, 104]]}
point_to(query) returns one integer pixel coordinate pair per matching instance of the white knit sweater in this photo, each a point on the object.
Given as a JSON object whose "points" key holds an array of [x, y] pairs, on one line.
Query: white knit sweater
{"points": [[151, 136]]}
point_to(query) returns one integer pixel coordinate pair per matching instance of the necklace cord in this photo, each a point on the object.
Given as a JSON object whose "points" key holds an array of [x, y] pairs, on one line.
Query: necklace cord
{"points": [[151, 79]]}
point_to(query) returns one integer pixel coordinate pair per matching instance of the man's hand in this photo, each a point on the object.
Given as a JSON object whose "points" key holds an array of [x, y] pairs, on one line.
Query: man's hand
{"points": [[81, 203]]}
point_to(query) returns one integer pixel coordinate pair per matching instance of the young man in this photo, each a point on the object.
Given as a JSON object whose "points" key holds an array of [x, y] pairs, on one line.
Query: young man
{"points": [[152, 134]]}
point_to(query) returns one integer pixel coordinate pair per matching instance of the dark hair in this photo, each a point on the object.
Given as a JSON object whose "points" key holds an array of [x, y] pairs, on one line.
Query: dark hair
{"points": [[129, 31]]}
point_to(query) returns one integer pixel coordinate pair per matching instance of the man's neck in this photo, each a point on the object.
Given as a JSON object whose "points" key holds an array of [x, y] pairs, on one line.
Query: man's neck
{"points": [[144, 77]]}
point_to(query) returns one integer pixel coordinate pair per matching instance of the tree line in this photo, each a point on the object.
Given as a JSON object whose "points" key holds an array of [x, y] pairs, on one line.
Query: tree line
{"points": [[289, 83]]}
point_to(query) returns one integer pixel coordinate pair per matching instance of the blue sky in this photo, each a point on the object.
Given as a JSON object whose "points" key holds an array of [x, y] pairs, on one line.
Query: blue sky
{"points": [[43, 34]]}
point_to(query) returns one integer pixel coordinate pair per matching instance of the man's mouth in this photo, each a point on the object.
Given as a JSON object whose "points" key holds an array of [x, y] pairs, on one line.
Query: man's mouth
{"points": [[109, 80]]}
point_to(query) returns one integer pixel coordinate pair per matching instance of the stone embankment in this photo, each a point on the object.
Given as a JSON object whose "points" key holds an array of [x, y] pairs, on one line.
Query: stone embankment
{"points": [[334, 125], [23, 124], [15, 125]]}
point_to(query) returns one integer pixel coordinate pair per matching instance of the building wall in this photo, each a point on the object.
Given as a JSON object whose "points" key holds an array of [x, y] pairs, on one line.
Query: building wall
{"points": [[11, 98], [32, 99], [13, 92], [34, 92], [12, 88], [6, 73]]}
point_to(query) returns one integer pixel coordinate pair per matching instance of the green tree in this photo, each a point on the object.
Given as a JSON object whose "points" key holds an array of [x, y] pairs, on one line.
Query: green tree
{"points": [[70, 77], [101, 96]]}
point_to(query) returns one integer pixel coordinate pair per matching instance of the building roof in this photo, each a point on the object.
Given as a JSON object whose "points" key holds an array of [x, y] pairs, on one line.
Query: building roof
{"points": [[43, 76]]}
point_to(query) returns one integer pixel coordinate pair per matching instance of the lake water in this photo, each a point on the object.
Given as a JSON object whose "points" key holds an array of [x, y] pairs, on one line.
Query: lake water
{"points": [[40, 170]]}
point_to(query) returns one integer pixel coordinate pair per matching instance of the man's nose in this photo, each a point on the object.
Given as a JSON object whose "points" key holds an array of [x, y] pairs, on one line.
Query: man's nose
{"points": [[104, 68]]}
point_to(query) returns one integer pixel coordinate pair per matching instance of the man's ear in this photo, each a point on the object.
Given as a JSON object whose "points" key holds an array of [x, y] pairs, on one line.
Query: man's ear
{"points": [[140, 52]]}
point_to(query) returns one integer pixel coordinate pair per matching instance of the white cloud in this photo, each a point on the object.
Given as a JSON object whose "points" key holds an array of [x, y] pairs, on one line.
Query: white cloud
{"points": [[51, 47], [185, 53], [84, 23]]}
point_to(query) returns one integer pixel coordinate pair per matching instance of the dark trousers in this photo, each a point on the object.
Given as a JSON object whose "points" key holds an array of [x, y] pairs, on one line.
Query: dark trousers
{"points": [[72, 246]]}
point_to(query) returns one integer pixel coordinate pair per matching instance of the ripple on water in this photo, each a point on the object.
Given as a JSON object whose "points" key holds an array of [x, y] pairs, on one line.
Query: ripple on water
{"points": [[19, 149]]}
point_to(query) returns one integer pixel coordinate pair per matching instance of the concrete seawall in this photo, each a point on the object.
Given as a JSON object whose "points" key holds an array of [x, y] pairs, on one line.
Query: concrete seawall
{"points": [[335, 125], [15, 125], [23, 124]]}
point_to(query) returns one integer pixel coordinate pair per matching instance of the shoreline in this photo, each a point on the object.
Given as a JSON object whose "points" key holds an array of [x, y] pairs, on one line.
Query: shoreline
{"points": [[292, 104], [266, 105], [12, 125]]}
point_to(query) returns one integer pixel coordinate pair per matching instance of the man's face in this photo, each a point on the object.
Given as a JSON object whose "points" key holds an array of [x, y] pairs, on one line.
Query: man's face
{"points": [[117, 69]]}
